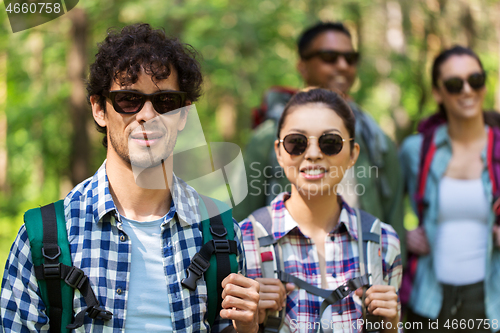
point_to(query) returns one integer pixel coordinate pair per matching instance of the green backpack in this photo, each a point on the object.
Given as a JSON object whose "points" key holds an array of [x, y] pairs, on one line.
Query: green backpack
{"points": [[57, 277]]}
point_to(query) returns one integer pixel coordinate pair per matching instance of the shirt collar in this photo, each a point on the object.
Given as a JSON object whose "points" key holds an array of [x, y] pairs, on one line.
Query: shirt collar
{"points": [[282, 226], [184, 198], [441, 135]]}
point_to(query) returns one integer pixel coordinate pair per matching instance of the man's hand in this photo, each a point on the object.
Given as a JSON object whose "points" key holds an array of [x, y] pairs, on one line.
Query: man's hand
{"points": [[272, 296], [416, 241], [240, 302], [381, 300], [496, 235]]}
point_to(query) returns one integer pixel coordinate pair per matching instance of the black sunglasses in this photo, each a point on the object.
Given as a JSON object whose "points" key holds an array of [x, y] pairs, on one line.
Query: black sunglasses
{"points": [[131, 101], [329, 143], [455, 85], [332, 57]]}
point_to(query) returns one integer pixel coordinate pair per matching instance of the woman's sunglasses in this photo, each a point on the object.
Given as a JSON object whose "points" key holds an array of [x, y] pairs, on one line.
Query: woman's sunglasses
{"points": [[332, 57], [330, 144], [455, 85], [131, 101]]}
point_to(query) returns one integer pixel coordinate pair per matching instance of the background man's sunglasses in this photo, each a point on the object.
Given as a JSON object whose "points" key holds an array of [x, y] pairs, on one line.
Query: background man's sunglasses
{"points": [[332, 57], [131, 101], [329, 143], [455, 85]]}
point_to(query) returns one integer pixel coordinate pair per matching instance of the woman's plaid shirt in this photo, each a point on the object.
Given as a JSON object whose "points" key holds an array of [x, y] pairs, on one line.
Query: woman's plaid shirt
{"points": [[102, 250], [301, 260]]}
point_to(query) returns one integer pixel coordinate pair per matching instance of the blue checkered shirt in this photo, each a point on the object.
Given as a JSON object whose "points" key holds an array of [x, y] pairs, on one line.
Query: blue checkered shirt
{"points": [[102, 250]]}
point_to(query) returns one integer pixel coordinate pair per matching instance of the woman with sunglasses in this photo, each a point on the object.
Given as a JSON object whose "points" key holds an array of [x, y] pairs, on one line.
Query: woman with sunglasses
{"points": [[315, 228], [457, 264]]}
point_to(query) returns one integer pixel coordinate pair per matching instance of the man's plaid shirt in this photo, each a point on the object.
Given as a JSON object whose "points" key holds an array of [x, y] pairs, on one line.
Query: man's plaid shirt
{"points": [[301, 260], [102, 250]]}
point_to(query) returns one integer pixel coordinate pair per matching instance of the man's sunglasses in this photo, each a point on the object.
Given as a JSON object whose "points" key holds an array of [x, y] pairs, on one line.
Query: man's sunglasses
{"points": [[455, 85], [332, 57], [131, 101], [329, 143]]}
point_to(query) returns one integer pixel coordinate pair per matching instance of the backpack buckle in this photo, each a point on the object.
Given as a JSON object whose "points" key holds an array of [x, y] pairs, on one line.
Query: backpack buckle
{"points": [[98, 313], [196, 269], [221, 245], [51, 271], [342, 291], [75, 278], [220, 232], [51, 250]]}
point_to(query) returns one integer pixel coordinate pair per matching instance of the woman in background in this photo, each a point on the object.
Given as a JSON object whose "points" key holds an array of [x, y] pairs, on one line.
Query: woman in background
{"points": [[458, 269]]}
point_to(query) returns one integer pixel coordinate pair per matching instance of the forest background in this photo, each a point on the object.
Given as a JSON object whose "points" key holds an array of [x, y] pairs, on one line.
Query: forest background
{"points": [[48, 141]]}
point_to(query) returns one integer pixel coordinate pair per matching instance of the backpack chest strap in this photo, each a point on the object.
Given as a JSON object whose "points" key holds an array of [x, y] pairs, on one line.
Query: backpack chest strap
{"points": [[201, 260], [330, 296]]}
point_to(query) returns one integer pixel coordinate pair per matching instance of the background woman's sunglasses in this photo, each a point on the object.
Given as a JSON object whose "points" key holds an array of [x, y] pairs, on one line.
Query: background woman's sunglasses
{"points": [[455, 85], [131, 101], [329, 143], [332, 57]]}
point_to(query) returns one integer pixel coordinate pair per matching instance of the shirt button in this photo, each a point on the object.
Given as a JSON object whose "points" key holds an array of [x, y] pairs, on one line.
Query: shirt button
{"points": [[123, 238], [119, 291]]}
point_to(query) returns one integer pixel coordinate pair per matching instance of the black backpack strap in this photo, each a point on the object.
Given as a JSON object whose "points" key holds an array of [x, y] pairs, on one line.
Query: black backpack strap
{"points": [[330, 296], [53, 271], [219, 245], [51, 268]]}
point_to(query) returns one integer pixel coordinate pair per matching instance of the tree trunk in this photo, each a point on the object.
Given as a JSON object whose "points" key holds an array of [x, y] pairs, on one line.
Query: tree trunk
{"points": [[77, 63]]}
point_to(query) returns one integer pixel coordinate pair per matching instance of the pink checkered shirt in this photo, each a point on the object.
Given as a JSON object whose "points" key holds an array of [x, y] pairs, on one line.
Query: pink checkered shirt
{"points": [[342, 263]]}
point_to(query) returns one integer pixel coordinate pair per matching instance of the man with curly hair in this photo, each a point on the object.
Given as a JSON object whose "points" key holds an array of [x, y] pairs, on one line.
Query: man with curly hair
{"points": [[134, 242]]}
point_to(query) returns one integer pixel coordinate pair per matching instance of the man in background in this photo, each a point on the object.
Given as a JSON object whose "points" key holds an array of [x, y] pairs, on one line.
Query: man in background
{"points": [[328, 60]]}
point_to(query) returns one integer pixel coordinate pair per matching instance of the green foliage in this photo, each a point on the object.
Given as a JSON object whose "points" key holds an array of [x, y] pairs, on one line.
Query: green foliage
{"points": [[246, 47]]}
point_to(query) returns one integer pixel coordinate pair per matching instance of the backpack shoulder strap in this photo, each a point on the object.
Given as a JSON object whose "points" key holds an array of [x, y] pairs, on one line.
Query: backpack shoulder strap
{"points": [[271, 259], [370, 256], [218, 238], [46, 227], [369, 234], [57, 278], [427, 151], [493, 161]]}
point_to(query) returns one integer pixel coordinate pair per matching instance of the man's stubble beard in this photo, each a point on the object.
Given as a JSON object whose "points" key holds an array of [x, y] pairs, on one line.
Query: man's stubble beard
{"points": [[145, 158]]}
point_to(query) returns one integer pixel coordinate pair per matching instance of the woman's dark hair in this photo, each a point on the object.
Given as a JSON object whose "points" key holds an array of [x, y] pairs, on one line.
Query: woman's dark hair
{"points": [[331, 99], [123, 54], [456, 50], [490, 118]]}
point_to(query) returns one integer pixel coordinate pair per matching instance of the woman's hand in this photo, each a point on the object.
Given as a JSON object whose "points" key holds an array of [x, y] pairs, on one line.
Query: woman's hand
{"points": [[416, 241], [382, 300], [272, 295]]}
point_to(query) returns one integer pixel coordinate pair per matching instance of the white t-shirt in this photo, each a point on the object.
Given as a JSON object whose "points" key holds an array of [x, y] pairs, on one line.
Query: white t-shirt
{"points": [[148, 308], [462, 233]]}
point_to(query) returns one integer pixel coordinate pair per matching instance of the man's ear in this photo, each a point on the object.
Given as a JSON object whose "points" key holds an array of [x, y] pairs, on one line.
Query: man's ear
{"points": [[97, 111]]}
